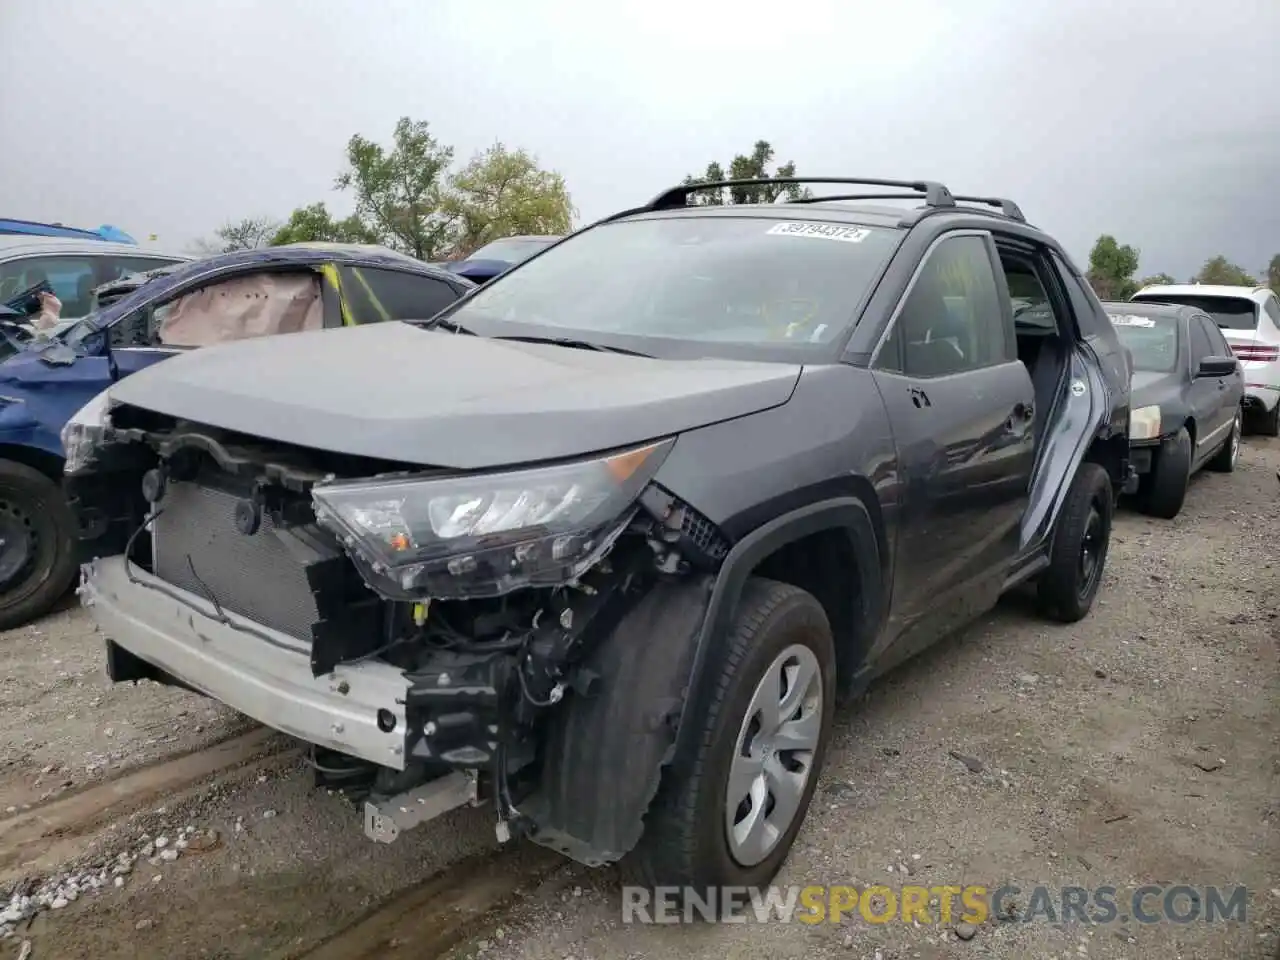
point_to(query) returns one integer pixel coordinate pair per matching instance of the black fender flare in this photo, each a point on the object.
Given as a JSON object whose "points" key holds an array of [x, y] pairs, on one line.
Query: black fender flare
{"points": [[849, 514], [605, 755]]}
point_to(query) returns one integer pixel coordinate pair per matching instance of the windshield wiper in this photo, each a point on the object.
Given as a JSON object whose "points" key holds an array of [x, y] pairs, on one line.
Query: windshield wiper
{"points": [[575, 344], [443, 323]]}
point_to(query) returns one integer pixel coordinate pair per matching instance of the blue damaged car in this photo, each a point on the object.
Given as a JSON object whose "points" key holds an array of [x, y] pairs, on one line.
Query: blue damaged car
{"points": [[146, 318]]}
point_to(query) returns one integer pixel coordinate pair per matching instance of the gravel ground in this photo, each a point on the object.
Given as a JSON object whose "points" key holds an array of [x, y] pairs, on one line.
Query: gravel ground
{"points": [[1140, 746], [1091, 740]]}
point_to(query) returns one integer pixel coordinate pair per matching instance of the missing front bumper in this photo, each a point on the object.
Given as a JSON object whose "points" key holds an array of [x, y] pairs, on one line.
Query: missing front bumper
{"points": [[263, 674]]}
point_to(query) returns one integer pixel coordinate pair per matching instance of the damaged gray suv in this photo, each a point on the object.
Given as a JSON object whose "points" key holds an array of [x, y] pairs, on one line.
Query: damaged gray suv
{"points": [[601, 544]]}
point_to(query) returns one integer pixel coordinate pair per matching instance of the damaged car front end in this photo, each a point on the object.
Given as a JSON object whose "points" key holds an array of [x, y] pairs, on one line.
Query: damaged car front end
{"points": [[417, 626]]}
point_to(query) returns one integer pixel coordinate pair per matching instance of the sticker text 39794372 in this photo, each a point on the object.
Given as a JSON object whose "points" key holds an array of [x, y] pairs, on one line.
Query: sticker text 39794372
{"points": [[822, 231]]}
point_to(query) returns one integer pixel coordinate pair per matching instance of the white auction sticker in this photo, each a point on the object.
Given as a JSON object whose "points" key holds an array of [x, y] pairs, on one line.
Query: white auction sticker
{"points": [[823, 231], [1129, 320]]}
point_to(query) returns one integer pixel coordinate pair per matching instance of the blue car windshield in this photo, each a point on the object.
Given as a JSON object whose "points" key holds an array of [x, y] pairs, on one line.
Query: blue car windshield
{"points": [[749, 281]]}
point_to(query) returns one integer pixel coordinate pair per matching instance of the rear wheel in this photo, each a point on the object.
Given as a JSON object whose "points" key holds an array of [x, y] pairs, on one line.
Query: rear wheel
{"points": [[1268, 424], [1078, 553], [728, 813], [1166, 487], [1224, 461], [37, 550]]}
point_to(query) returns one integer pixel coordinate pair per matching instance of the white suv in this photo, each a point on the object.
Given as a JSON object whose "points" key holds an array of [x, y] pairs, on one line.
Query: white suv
{"points": [[1249, 318]]}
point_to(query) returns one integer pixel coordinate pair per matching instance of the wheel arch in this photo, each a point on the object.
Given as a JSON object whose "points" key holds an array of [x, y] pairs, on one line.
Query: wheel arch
{"points": [[50, 464], [606, 756], [849, 526]]}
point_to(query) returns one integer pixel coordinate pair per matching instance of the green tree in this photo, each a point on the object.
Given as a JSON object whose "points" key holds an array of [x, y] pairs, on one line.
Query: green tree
{"points": [[1111, 268], [247, 234], [1273, 273], [315, 223], [1220, 270], [502, 193], [399, 191], [1160, 278], [748, 166]]}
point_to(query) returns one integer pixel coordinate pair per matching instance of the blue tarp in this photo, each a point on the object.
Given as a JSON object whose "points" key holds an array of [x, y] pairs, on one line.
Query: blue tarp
{"points": [[36, 229]]}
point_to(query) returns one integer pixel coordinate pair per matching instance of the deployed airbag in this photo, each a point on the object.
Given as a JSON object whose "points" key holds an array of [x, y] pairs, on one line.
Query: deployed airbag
{"points": [[241, 308]]}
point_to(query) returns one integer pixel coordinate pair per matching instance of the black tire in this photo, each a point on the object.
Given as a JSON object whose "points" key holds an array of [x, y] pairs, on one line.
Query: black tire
{"points": [[1068, 587], [685, 841], [32, 503], [1166, 487], [1224, 461], [1268, 424]]}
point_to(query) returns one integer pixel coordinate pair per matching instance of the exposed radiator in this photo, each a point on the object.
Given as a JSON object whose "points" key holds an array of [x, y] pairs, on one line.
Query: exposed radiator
{"points": [[261, 577]]}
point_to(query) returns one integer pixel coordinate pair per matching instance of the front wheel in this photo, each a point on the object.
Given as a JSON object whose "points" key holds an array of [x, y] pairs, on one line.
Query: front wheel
{"points": [[728, 813], [1078, 553], [37, 550], [1224, 461], [1166, 487]]}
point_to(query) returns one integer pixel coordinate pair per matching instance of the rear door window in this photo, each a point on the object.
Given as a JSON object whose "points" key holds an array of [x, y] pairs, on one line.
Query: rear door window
{"points": [[374, 294], [1216, 340], [1229, 313], [1200, 345]]}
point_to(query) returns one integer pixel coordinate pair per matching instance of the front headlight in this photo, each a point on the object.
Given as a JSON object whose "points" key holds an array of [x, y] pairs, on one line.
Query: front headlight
{"points": [[486, 535], [1144, 423], [85, 431]]}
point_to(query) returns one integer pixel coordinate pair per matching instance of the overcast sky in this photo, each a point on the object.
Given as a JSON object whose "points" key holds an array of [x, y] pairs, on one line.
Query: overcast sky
{"points": [[1158, 122]]}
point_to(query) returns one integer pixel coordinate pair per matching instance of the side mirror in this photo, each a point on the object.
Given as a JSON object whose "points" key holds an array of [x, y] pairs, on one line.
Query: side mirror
{"points": [[1216, 367]]}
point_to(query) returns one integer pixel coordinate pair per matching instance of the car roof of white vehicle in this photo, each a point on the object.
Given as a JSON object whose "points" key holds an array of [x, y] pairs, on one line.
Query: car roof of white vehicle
{"points": [[1257, 294], [22, 246]]}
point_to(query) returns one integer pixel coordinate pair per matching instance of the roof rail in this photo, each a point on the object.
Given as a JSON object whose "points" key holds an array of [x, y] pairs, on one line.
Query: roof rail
{"points": [[934, 194], [1007, 207], [858, 196]]}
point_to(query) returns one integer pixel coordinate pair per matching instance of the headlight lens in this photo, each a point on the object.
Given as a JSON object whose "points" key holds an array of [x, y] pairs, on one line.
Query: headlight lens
{"points": [[486, 535], [85, 431], [1144, 423]]}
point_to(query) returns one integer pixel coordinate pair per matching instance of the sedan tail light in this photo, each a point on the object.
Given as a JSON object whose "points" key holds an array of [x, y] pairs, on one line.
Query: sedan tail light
{"points": [[1266, 352]]}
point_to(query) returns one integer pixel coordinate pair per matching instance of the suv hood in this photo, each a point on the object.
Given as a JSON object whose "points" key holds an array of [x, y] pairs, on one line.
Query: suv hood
{"points": [[396, 391]]}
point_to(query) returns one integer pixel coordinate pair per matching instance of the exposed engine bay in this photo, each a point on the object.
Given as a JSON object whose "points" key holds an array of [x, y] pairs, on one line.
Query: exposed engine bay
{"points": [[494, 622]]}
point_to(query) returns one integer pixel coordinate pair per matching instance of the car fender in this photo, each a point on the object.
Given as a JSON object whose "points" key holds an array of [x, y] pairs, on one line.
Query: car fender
{"points": [[848, 514], [605, 754]]}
